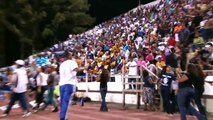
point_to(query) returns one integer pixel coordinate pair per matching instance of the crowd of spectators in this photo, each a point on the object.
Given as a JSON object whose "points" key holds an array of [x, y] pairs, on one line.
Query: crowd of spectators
{"points": [[172, 32]]}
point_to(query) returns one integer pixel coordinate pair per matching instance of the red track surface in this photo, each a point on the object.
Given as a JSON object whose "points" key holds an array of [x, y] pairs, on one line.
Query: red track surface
{"points": [[90, 111]]}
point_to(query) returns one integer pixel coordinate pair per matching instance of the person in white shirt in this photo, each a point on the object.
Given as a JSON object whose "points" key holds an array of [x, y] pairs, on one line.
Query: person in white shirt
{"points": [[41, 81], [132, 71], [68, 79], [19, 82]]}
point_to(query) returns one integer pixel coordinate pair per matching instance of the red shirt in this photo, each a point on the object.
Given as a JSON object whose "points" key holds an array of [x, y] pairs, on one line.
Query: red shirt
{"points": [[163, 57], [171, 41]]}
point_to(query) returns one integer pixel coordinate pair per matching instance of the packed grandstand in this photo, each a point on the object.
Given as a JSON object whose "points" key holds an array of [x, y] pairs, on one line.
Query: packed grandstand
{"points": [[179, 27], [168, 33]]}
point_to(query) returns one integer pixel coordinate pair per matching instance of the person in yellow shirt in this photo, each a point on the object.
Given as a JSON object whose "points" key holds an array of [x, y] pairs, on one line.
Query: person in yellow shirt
{"points": [[160, 64]]}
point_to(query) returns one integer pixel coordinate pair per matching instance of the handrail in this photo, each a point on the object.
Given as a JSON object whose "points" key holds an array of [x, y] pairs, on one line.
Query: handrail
{"points": [[205, 71], [150, 71]]}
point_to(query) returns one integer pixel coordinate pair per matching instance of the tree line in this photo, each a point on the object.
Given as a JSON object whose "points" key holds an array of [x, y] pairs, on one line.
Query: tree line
{"points": [[31, 25]]}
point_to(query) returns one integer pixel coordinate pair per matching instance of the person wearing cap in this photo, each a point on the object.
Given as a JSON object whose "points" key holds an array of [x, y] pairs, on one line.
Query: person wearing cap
{"points": [[19, 82]]}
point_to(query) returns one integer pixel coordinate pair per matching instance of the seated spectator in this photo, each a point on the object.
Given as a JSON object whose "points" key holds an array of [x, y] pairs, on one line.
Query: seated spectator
{"points": [[160, 64], [198, 41]]}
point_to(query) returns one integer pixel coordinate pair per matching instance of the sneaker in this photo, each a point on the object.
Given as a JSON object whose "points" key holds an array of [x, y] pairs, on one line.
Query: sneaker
{"points": [[170, 115], [43, 107], [4, 115], [35, 111], [105, 109], [26, 114], [33, 108], [55, 110], [73, 103]]}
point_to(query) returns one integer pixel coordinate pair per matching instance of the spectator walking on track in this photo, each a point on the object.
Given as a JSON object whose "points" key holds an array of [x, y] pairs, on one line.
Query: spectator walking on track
{"points": [[41, 87], [19, 82]]}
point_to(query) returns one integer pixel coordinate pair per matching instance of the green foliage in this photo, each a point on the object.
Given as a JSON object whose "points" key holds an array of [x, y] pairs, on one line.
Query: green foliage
{"points": [[35, 22], [47, 32]]}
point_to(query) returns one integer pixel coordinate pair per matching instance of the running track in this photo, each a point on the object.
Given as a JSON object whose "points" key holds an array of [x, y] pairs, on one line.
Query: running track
{"points": [[90, 111]]}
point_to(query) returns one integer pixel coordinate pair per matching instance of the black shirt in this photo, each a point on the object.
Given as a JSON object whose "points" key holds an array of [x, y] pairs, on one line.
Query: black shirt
{"points": [[187, 83], [103, 80], [171, 60], [199, 82], [147, 83], [167, 79], [196, 21]]}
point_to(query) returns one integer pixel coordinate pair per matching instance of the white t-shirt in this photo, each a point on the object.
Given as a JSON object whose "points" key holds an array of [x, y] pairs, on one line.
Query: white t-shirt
{"points": [[133, 68], [177, 37], [139, 40], [21, 76], [67, 73], [127, 54], [42, 79]]}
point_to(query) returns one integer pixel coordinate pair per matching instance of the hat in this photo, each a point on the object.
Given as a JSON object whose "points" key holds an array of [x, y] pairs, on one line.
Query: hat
{"points": [[158, 57], [20, 62]]}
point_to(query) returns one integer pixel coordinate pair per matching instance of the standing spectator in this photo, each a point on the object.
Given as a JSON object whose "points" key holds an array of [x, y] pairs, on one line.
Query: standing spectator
{"points": [[132, 69], [152, 68], [171, 59], [165, 89], [184, 35], [103, 78], [148, 91], [199, 88], [67, 82], [186, 93], [141, 61], [150, 56], [19, 82]]}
